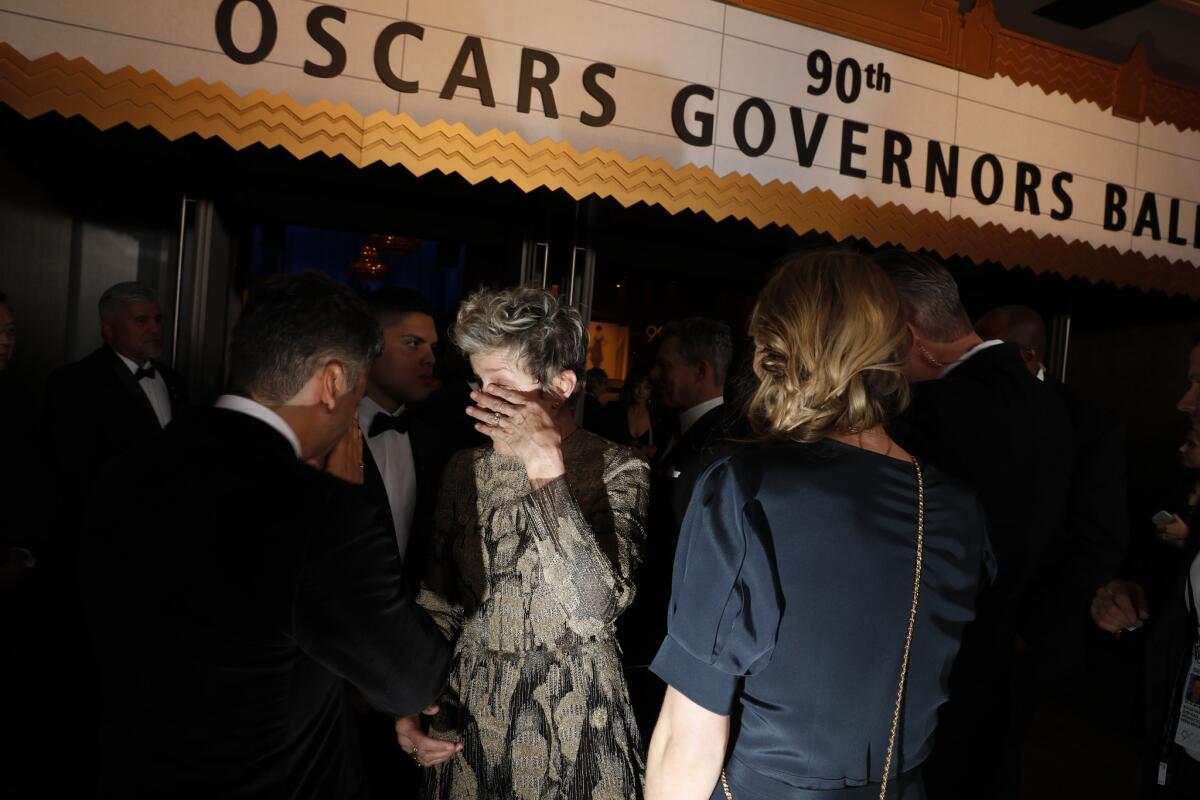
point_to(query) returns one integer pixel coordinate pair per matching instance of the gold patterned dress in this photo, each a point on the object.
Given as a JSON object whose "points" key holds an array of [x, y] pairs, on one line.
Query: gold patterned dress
{"points": [[528, 585]]}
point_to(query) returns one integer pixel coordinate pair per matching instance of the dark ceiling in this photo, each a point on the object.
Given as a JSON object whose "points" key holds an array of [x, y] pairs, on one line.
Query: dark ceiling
{"points": [[1109, 30]]}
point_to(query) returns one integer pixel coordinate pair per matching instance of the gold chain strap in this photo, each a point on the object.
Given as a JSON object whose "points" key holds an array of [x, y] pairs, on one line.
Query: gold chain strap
{"points": [[908, 636]]}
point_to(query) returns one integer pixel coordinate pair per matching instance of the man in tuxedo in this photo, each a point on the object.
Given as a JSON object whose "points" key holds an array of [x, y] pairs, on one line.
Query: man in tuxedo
{"points": [[115, 398], [1097, 518], [403, 455], [980, 416], [95, 409], [232, 587], [688, 376]]}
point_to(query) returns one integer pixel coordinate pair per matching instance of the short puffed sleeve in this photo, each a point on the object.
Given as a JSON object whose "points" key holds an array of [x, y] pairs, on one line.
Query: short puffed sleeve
{"points": [[726, 601]]}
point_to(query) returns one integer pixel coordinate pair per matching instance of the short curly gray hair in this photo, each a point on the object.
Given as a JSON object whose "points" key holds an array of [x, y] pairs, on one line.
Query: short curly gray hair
{"points": [[121, 294], [545, 337]]}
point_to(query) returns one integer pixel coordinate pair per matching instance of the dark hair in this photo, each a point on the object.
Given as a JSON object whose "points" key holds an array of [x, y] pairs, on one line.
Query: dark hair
{"points": [[929, 294], [291, 327], [633, 380], [596, 374], [703, 339], [392, 302]]}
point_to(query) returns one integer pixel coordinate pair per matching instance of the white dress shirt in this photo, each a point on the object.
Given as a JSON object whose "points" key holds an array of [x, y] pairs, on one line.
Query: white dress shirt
{"points": [[244, 405], [154, 388], [979, 348], [393, 456]]}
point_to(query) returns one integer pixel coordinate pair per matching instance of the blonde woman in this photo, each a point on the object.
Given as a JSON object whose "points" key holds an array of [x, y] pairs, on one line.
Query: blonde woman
{"points": [[536, 543], [794, 578]]}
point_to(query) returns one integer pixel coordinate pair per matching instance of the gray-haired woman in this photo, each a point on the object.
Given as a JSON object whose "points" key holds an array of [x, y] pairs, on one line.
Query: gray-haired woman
{"points": [[536, 544]]}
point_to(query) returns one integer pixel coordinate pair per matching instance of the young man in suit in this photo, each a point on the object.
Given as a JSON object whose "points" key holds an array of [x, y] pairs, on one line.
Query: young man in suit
{"points": [[253, 584], [115, 398], [688, 377], [980, 416], [404, 456]]}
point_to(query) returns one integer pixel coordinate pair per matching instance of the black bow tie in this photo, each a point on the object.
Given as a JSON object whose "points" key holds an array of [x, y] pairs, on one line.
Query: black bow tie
{"points": [[386, 422], [144, 372]]}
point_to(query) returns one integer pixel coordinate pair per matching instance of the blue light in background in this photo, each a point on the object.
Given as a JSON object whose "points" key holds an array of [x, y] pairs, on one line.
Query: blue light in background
{"points": [[435, 268]]}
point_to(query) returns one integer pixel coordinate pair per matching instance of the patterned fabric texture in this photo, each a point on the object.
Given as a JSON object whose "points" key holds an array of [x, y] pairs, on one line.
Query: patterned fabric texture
{"points": [[528, 584]]}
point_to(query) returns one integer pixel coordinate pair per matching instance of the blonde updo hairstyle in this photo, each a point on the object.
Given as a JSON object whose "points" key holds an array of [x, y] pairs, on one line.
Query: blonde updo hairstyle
{"points": [[542, 336], [835, 349]]}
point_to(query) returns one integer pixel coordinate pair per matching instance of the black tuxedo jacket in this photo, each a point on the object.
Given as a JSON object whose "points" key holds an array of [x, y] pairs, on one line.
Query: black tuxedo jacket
{"points": [[673, 476], [1005, 434], [230, 589], [1097, 514], [676, 471], [95, 411], [430, 455]]}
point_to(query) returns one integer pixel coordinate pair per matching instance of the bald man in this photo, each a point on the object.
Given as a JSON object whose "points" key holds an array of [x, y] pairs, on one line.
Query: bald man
{"points": [[1097, 519], [1021, 326]]}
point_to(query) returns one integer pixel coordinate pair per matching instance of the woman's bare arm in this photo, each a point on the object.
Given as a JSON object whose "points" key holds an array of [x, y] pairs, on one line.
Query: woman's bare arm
{"points": [[687, 750]]}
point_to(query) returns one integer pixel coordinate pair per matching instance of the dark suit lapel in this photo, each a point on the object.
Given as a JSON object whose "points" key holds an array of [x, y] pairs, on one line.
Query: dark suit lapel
{"points": [[681, 466], [665, 458], [130, 386], [418, 439], [697, 438], [373, 485], [175, 388], [430, 455]]}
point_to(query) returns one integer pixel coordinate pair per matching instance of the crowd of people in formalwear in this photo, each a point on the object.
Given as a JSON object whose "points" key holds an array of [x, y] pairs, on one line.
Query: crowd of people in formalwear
{"points": [[853, 572]]}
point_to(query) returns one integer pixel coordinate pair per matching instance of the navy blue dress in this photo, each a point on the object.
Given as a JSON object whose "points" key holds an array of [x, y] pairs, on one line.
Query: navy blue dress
{"points": [[791, 595]]}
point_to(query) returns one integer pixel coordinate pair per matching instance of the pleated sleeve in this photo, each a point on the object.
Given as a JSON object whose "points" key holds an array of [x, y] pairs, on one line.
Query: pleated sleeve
{"points": [[726, 601], [590, 560]]}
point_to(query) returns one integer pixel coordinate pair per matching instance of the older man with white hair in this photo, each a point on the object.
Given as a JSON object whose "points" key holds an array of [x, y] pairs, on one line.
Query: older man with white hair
{"points": [[115, 398]]}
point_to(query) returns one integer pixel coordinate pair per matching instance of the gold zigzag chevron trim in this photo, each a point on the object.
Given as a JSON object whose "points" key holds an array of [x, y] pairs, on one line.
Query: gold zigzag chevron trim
{"points": [[212, 110]]}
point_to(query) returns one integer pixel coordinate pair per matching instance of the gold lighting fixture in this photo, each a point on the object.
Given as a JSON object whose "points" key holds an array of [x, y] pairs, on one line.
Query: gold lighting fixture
{"points": [[392, 245], [368, 265]]}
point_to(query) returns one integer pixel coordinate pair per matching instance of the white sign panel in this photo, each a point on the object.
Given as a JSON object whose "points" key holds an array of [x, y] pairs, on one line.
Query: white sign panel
{"points": [[688, 81]]}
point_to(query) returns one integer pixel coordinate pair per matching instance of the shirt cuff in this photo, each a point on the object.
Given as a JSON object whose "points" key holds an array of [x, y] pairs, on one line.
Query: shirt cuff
{"points": [[700, 682]]}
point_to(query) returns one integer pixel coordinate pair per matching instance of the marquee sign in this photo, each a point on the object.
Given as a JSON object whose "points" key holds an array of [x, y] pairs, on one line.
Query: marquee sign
{"points": [[687, 103]]}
